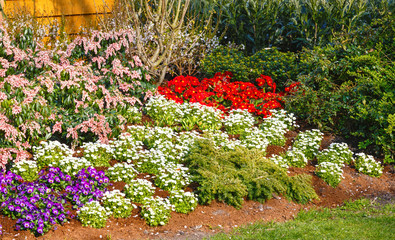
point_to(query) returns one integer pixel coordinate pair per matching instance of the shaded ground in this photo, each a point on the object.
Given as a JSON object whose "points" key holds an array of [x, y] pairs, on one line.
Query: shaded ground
{"points": [[217, 217]]}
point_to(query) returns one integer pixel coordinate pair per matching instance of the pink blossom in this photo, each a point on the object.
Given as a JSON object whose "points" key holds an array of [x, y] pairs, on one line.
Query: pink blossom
{"points": [[52, 116], [71, 132], [57, 127], [136, 74], [137, 61], [3, 96], [17, 81], [16, 109], [99, 60], [147, 77]]}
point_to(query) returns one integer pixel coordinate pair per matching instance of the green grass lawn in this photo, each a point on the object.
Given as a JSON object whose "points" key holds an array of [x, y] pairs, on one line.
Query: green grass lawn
{"points": [[361, 219]]}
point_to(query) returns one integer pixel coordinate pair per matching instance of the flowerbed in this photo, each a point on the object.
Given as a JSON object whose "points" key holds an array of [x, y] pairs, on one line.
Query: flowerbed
{"points": [[165, 154], [203, 132]]}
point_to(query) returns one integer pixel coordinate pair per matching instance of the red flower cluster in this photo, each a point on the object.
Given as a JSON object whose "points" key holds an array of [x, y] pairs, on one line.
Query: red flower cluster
{"points": [[220, 92]]}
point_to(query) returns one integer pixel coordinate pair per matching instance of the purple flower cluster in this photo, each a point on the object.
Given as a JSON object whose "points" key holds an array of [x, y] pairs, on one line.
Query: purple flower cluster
{"points": [[55, 179], [35, 207], [38, 205], [8, 182], [89, 185]]}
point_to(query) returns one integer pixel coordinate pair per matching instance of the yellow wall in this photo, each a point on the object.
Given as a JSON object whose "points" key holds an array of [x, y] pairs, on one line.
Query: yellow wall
{"points": [[76, 12]]}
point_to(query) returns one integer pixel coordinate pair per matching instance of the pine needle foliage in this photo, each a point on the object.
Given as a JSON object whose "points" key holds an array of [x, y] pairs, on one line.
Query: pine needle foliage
{"points": [[232, 175]]}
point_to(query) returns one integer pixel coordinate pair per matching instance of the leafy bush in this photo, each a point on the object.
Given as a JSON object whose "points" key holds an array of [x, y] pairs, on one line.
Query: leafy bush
{"points": [[300, 190], [230, 176], [292, 25], [270, 62], [82, 93], [349, 90]]}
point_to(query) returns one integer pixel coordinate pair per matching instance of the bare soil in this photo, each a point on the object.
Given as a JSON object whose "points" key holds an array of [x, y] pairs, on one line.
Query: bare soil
{"points": [[219, 217]]}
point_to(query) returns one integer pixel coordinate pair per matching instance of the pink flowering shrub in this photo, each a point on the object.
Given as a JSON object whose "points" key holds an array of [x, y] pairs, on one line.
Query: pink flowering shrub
{"points": [[82, 93]]}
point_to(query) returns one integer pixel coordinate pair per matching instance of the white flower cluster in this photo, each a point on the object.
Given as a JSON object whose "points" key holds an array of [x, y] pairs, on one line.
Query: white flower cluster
{"points": [[151, 160], [121, 172], [126, 148], [330, 172], [133, 115], [156, 211], [208, 118], [184, 202], [185, 141], [139, 189], [254, 138], [280, 115], [238, 120], [296, 157], [97, 153], [338, 153], [27, 169], [309, 142], [162, 111], [367, 165], [280, 161], [156, 135], [71, 165], [116, 204], [138, 132], [51, 151], [277, 125], [168, 113], [93, 214], [172, 176], [221, 139]]}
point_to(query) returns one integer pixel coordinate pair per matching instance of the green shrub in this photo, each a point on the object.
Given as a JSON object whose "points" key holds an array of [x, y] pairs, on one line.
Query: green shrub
{"points": [[230, 176], [300, 190], [270, 62], [292, 25], [348, 90]]}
